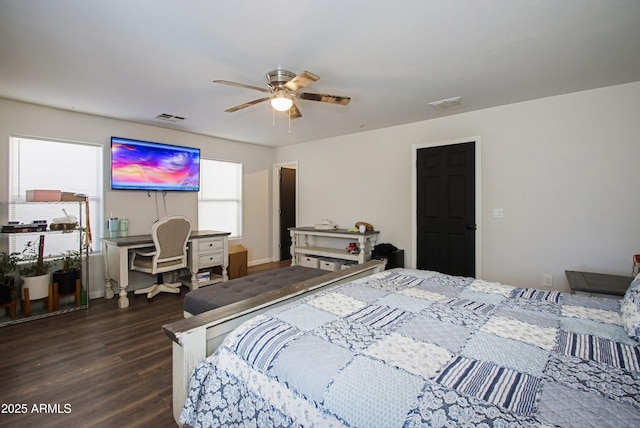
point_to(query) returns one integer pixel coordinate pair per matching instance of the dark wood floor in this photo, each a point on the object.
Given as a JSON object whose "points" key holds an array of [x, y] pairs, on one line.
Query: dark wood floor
{"points": [[101, 367]]}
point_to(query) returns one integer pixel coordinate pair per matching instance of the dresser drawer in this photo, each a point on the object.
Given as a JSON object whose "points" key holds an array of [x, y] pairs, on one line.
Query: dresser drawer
{"points": [[210, 260], [209, 245]]}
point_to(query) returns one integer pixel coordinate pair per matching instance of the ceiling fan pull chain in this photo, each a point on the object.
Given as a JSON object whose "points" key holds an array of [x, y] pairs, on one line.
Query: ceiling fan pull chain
{"points": [[273, 116], [289, 116]]}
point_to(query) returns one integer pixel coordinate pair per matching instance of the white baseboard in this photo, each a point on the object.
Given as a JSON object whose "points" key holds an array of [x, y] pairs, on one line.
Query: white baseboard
{"points": [[258, 262]]}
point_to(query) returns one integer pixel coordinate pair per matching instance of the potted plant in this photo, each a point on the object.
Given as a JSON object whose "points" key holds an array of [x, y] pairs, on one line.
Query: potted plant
{"points": [[35, 271], [8, 269], [70, 272]]}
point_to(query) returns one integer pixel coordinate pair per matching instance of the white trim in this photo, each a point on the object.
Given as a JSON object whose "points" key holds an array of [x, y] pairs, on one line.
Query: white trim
{"points": [[478, 196], [259, 262], [275, 228]]}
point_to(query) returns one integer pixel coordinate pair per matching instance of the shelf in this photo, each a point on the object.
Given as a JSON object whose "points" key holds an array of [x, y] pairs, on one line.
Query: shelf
{"points": [[41, 202], [42, 232], [83, 252]]}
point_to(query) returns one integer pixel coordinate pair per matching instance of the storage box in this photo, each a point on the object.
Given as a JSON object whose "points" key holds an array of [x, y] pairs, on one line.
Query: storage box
{"points": [[347, 265], [330, 264], [73, 197], [237, 261], [41, 195], [308, 261]]}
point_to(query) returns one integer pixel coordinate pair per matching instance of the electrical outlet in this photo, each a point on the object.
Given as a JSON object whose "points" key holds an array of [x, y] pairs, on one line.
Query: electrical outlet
{"points": [[547, 280]]}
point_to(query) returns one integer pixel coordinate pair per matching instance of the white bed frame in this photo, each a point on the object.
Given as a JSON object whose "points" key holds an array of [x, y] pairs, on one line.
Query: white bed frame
{"points": [[197, 337]]}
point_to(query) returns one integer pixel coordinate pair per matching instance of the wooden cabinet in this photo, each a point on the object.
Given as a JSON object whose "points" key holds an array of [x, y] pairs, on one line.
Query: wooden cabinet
{"points": [[332, 243]]}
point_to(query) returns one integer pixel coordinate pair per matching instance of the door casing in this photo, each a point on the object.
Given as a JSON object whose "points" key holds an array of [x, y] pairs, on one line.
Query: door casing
{"points": [[275, 227]]}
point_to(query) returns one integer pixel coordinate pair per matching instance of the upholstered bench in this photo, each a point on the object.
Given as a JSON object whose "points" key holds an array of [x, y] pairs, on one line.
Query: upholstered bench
{"points": [[236, 290]]}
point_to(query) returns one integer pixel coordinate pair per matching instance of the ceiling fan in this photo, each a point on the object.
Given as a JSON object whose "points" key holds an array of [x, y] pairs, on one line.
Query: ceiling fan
{"points": [[283, 87]]}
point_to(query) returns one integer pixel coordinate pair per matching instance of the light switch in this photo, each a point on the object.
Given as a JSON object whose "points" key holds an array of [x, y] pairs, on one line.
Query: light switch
{"points": [[498, 213]]}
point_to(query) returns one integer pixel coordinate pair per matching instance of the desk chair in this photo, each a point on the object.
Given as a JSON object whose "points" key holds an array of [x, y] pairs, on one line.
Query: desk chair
{"points": [[168, 254]]}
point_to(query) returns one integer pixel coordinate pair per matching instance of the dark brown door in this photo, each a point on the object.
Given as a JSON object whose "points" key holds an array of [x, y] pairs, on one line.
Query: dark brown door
{"points": [[287, 210], [446, 209]]}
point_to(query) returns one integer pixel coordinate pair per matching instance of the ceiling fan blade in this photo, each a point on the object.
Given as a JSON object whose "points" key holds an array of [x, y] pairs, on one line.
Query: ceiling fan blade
{"points": [[294, 113], [302, 80], [242, 85], [332, 99], [245, 105]]}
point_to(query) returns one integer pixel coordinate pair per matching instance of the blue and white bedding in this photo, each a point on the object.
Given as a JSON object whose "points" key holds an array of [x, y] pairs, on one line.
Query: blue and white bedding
{"points": [[417, 348]]}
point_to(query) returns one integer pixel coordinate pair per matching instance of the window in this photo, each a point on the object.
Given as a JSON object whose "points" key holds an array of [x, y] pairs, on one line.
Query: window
{"points": [[220, 196], [47, 164]]}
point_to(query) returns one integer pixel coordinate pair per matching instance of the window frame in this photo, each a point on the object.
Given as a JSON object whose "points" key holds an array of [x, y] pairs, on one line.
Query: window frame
{"points": [[237, 200], [17, 192]]}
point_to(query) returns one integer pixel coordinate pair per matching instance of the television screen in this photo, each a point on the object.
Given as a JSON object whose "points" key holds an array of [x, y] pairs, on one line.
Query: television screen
{"points": [[143, 165]]}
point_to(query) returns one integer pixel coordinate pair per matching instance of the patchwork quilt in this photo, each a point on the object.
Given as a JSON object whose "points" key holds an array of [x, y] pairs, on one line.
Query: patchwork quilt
{"points": [[407, 348]]}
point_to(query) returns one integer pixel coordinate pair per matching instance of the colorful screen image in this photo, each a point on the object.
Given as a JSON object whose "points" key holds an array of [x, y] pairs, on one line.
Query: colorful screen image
{"points": [[143, 165]]}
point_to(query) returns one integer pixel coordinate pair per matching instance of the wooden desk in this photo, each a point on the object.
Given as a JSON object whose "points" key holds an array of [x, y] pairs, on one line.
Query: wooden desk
{"points": [[206, 249], [598, 282]]}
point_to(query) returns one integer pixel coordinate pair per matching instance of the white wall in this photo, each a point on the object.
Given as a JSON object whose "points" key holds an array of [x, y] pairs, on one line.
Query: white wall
{"points": [[564, 169], [18, 118]]}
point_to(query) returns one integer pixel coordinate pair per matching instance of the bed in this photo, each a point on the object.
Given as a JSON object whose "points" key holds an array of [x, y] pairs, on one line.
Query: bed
{"points": [[418, 348], [196, 337]]}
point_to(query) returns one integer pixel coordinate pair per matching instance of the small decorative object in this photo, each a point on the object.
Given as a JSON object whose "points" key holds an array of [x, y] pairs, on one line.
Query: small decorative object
{"points": [[362, 228], [68, 222], [353, 248], [123, 227], [114, 227], [368, 227], [326, 224]]}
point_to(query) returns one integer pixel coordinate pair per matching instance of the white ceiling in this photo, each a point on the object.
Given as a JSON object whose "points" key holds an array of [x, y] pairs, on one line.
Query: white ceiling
{"points": [[136, 59]]}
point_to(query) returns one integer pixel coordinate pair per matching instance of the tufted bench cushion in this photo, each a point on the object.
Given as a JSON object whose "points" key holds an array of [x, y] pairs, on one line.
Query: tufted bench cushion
{"points": [[224, 293]]}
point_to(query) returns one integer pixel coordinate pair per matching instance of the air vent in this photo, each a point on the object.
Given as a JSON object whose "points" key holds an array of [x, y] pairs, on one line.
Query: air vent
{"points": [[446, 104], [169, 117]]}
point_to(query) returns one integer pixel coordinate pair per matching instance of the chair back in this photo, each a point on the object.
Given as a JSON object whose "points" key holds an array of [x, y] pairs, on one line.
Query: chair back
{"points": [[170, 236]]}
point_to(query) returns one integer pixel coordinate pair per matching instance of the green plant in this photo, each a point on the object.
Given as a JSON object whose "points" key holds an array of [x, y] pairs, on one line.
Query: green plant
{"points": [[33, 258], [9, 264], [8, 268], [72, 261]]}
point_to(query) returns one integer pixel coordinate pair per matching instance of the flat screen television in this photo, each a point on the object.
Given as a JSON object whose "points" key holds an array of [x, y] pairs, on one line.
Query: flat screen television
{"points": [[143, 165]]}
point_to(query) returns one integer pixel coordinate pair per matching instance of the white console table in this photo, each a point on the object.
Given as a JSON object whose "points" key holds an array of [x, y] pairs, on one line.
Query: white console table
{"points": [[331, 243]]}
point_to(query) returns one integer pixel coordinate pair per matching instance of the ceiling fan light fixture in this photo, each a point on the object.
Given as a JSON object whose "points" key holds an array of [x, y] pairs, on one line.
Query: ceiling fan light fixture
{"points": [[281, 101]]}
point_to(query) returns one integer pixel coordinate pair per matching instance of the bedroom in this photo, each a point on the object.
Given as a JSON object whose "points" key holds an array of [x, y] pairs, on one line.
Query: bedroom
{"points": [[562, 168]]}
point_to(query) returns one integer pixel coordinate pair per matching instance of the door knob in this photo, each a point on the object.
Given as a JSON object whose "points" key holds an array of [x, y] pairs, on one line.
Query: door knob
{"points": [[471, 227]]}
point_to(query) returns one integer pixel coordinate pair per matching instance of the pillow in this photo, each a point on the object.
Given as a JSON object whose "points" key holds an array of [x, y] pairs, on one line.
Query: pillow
{"points": [[630, 309]]}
